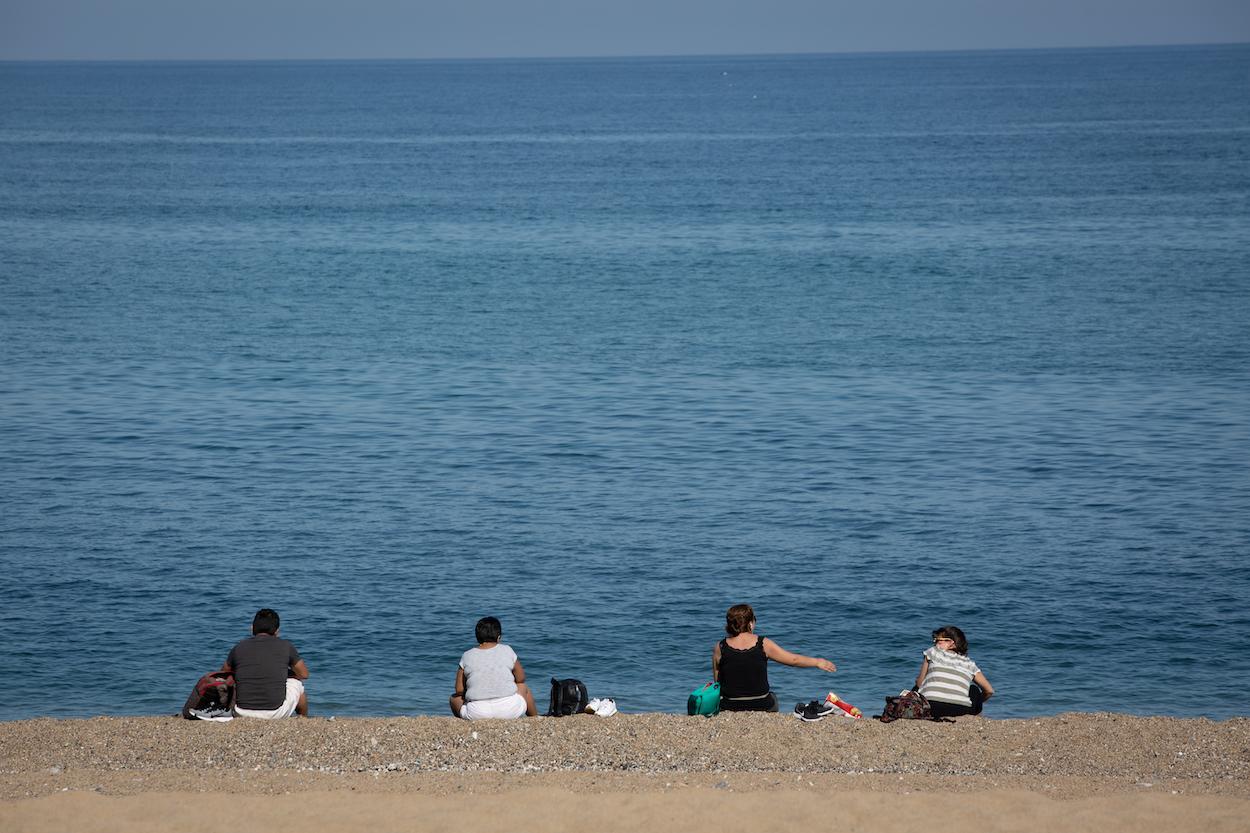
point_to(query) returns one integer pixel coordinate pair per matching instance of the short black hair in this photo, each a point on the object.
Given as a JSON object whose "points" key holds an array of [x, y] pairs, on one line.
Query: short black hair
{"points": [[265, 621], [488, 629]]}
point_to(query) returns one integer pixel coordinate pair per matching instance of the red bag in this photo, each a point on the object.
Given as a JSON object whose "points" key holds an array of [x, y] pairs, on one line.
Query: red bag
{"points": [[910, 705], [213, 692]]}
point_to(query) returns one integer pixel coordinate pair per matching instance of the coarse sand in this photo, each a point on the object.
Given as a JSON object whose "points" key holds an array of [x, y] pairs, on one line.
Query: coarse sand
{"points": [[1106, 772]]}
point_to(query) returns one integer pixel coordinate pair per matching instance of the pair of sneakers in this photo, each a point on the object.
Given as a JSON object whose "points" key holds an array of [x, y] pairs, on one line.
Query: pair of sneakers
{"points": [[814, 710]]}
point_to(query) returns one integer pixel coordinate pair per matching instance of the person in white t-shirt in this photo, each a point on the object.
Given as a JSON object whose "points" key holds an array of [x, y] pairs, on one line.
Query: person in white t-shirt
{"points": [[490, 682], [949, 679]]}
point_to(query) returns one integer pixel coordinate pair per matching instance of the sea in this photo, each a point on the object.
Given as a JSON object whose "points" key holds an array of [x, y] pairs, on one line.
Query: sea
{"points": [[873, 342]]}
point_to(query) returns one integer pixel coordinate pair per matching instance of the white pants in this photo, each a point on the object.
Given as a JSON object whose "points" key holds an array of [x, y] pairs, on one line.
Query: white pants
{"points": [[294, 688], [499, 708]]}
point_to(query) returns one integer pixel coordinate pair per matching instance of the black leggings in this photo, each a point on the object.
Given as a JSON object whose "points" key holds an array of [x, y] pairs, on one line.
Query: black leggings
{"points": [[975, 694]]}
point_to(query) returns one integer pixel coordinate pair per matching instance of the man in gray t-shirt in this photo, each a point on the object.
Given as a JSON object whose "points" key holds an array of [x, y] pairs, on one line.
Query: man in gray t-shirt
{"points": [[488, 672], [268, 672], [490, 682]]}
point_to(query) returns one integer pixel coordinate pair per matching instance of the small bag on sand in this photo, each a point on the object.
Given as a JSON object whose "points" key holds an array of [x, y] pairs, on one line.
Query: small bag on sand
{"points": [[909, 705], [213, 695], [567, 697], [704, 701]]}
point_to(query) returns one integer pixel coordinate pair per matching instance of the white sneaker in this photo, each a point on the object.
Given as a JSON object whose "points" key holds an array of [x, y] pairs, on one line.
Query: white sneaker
{"points": [[605, 707]]}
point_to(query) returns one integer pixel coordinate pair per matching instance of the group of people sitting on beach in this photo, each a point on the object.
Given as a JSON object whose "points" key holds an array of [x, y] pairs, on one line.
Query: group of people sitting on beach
{"points": [[269, 673], [951, 682]]}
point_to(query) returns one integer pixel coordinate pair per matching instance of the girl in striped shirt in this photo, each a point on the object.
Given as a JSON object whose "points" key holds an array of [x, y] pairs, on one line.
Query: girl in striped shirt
{"points": [[949, 679]]}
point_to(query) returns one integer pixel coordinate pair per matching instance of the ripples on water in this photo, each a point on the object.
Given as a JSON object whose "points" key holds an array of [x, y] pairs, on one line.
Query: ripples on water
{"points": [[833, 355]]}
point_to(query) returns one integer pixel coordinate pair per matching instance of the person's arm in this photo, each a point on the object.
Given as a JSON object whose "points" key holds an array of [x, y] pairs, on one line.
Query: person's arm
{"points": [[518, 673], [924, 671], [460, 683], [716, 663], [295, 663], [778, 654], [980, 680]]}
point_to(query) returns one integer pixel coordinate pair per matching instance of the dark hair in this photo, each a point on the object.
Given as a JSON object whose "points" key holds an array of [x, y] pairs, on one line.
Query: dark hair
{"points": [[488, 629], [952, 632], [738, 619], [265, 621]]}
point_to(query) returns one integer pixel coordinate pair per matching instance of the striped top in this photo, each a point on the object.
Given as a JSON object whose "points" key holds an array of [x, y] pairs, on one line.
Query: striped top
{"points": [[949, 676]]}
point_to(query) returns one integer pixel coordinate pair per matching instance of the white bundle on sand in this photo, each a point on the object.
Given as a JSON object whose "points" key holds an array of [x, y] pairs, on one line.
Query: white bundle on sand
{"points": [[605, 707]]}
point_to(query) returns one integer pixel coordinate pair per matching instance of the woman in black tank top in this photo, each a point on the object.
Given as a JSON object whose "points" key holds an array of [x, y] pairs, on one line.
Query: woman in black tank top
{"points": [[740, 663]]}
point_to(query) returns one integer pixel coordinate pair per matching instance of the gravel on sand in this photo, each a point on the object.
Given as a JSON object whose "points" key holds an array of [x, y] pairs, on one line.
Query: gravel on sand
{"points": [[1076, 754]]}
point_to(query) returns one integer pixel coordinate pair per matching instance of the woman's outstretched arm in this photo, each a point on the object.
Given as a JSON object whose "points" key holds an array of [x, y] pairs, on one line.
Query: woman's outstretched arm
{"points": [[778, 654]]}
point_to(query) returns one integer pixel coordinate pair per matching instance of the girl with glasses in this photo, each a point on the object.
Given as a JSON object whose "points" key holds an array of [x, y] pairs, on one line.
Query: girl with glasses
{"points": [[949, 679]]}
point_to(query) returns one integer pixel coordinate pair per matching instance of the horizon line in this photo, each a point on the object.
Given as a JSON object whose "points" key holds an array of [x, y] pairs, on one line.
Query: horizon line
{"points": [[623, 57]]}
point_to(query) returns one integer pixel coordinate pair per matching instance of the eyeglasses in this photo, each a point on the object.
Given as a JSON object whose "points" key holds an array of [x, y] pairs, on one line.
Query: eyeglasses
{"points": [[938, 639]]}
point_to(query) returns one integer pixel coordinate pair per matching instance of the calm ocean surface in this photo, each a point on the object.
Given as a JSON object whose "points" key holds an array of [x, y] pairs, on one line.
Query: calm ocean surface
{"points": [[875, 343]]}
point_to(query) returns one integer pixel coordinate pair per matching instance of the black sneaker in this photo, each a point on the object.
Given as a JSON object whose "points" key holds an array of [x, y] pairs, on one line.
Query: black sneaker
{"points": [[813, 711]]}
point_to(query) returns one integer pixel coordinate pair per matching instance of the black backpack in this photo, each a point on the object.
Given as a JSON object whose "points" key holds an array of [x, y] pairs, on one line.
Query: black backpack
{"points": [[567, 697]]}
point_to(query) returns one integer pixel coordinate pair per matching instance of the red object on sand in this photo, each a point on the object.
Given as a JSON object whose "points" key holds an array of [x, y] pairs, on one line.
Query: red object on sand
{"points": [[852, 711]]}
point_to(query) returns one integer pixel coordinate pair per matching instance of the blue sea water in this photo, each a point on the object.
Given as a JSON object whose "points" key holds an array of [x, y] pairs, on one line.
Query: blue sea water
{"points": [[876, 343]]}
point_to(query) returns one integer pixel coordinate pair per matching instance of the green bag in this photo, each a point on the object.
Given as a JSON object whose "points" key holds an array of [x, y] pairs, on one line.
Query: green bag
{"points": [[704, 701]]}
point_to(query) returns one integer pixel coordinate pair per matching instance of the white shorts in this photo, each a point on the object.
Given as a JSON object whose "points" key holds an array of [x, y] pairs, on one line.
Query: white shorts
{"points": [[499, 708], [294, 688]]}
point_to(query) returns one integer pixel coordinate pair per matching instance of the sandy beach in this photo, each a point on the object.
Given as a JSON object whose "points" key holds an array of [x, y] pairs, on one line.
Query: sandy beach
{"points": [[627, 772]]}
